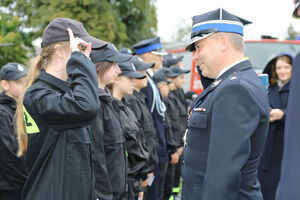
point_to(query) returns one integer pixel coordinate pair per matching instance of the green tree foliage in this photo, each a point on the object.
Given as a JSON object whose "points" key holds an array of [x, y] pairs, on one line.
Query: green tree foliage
{"points": [[139, 17], [15, 44], [122, 22], [292, 33]]}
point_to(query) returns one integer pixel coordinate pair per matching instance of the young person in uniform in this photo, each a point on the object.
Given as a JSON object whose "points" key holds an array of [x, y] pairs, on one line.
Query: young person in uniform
{"points": [[136, 150], [137, 102], [12, 168], [56, 112], [228, 122], [150, 50], [111, 164], [163, 83]]}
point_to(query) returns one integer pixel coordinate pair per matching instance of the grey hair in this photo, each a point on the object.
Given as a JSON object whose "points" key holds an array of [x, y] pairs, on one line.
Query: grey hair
{"points": [[236, 40]]}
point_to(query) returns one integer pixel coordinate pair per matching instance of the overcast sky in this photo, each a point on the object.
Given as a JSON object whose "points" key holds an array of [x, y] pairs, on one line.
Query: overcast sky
{"points": [[269, 17]]}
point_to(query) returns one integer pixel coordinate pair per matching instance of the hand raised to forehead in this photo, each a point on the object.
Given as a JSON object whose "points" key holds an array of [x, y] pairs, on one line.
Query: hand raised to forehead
{"points": [[76, 41]]}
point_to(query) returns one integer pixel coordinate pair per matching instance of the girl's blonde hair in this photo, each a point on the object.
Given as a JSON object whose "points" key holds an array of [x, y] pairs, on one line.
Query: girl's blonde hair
{"points": [[39, 63]]}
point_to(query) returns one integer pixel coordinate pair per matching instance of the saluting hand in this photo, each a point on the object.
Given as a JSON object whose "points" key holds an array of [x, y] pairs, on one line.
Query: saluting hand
{"points": [[76, 42]]}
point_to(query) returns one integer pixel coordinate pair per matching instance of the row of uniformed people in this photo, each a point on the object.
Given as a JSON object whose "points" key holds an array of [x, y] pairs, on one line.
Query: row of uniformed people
{"points": [[80, 140]]}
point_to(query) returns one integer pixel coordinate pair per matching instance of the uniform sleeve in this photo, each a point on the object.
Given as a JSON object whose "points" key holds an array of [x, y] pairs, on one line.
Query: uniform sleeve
{"points": [[12, 167], [103, 188], [172, 144], [79, 103], [149, 94], [235, 116]]}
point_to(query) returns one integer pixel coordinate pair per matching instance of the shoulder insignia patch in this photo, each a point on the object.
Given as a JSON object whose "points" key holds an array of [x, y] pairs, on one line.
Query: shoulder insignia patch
{"points": [[30, 124]]}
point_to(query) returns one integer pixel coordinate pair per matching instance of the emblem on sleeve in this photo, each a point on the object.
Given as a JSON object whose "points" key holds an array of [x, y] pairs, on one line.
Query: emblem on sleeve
{"points": [[30, 124]]}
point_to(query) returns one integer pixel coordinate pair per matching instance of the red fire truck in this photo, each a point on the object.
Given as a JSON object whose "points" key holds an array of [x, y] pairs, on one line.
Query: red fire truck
{"points": [[259, 52]]}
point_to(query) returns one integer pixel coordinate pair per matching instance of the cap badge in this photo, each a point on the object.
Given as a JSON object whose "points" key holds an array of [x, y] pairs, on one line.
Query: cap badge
{"points": [[20, 68]]}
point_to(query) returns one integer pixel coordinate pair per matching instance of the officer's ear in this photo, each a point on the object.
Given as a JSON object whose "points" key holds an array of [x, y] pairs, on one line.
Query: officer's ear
{"points": [[224, 43], [4, 85]]}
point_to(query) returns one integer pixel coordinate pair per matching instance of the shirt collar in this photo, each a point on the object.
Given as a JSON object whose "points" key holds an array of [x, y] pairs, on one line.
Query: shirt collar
{"points": [[230, 66]]}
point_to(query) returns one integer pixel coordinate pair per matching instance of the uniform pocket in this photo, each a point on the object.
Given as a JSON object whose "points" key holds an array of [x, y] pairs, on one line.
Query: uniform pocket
{"points": [[79, 136], [198, 120], [79, 157]]}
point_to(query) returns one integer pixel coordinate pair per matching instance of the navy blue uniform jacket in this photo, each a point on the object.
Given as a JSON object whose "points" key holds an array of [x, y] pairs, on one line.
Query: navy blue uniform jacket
{"points": [[225, 139], [60, 113], [290, 171]]}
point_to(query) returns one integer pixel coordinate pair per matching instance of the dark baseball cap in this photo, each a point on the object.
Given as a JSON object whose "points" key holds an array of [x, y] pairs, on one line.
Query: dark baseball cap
{"points": [[128, 69], [176, 70], [160, 76], [167, 72], [171, 59], [140, 64], [108, 53], [12, 71], [56, 31]]}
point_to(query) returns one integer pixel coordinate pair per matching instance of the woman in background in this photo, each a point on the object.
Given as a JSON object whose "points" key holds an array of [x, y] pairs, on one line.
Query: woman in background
{"points": [[280, 72]]}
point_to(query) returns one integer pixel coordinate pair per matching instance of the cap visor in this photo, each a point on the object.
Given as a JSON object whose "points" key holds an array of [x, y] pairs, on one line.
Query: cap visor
{"points": [[96, 43], [136, 75], [159, 52], [191, 46], [186, 71], [145, 66], [120, 57]]}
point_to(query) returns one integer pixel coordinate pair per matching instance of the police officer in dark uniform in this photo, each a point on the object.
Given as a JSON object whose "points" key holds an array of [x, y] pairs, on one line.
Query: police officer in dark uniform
{"points": [[13, 171], [289, 183], [150, 50], [108, 137], [228, 122]]}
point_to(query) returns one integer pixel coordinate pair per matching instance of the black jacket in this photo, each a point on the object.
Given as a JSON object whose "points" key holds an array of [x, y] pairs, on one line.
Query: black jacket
{"points": [[58, 117], [137, 153], [170, 126], [178, 115], [111, 166], [12, 168], [137, 103]]}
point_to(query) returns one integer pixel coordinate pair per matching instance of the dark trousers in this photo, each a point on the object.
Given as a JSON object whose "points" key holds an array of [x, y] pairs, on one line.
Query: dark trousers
{"points": [[156, 191], [169, 182], [133, 189], [177, 176]]}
